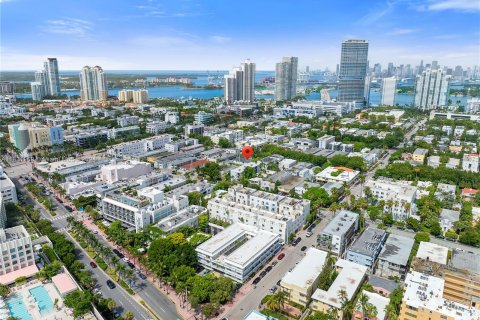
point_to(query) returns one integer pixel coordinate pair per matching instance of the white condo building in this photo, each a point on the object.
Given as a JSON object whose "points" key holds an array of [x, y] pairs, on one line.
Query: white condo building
{"points": [[124, 171], [473, 105], [286, 78], [266, 211], [238, 251], [17, 254], [140, 146], [389, 87], [7, 188], [470, 162], [93, 83], [399, 197], [431, 89], [3, 213], [137, 210], [240, 83]]}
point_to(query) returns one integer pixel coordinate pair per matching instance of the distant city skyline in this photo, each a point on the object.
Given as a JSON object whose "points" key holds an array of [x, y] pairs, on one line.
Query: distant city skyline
{"points": [[202, 35]]}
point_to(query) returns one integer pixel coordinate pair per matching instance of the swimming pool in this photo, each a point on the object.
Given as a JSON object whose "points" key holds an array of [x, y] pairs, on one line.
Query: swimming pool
{"points": [[17, 308], [42, 298]]}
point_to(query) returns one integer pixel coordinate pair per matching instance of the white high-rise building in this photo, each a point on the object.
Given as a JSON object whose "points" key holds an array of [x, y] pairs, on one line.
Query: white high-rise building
{"points": [[389, 86], [140, 96], [17, 252], [286, 78], [353, 71], [240, 83], [3, 213], [125, 95], [93, 84], [248, 68], [431, 90], [53, 78], [38, 91]]}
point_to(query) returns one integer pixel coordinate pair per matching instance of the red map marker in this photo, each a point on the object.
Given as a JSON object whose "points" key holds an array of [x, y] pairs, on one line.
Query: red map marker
{"points": [[247, 152]]}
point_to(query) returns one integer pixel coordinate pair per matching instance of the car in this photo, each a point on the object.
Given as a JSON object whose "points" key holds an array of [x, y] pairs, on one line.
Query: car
{"points": [[256, 280], [313, 225], [96, 291], [268, 269], [278, 282], [125, 259], [118, 253], [281, 256], [142, 276], [110, 284], [69, 209], [303, 248], [274, 263], [263, 273], [116, 314], [309, 234], [93, 264], [131, 265], [273, 289], [95, 231]]}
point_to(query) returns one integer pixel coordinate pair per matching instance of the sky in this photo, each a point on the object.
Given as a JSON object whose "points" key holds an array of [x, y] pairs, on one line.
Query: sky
{"points": [[220, 34]]}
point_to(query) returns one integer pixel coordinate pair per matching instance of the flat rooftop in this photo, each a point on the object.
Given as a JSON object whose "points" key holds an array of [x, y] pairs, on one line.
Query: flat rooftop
{"points": [[251, 249], [341, 223], [397, 249], [466, 261], [432, 252], [215, 244], [368, 241], [307, 270], [349, 279]]}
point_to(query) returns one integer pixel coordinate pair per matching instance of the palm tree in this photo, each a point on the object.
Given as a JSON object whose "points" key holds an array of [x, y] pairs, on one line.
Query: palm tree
{"points": [[111, 304], [346, 305], [363, 300], [391, 312], [128, 315], [272, 303]]}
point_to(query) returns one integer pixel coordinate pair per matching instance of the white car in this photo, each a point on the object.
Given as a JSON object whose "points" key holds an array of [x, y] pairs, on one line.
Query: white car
{"points": [[125, 259]]}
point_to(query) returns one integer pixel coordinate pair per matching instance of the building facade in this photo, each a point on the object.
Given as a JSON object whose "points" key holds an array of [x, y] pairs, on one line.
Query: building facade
{"points": [[17, 250], [240, 83], [393, 260], [366, 247], [353, 71], [286, 78], [389, 89], [339, 232]]}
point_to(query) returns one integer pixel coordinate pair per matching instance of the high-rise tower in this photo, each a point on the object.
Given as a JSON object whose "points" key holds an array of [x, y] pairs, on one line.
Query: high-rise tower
{"points": [[93, 84], [353, 70], [286, 78]]}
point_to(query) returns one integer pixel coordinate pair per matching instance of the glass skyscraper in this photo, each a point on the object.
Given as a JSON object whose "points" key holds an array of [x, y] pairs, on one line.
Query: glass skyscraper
{"points": [[353, 70], [286, 78], [93, 84]]}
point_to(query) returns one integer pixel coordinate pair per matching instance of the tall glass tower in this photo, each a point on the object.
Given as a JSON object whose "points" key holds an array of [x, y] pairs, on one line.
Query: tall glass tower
{"points": [[93, 84], [286, 78], [53, 79], [353, 70]]}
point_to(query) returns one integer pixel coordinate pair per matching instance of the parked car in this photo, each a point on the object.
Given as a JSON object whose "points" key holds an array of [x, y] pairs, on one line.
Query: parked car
{"points": [[118, 253], [274, 263], [273, 289], [309, 234], [303, 248], [131, 265], [263, 273], [256, 280], [93, 264], [278, 282], [110, 284], [116, 314], [142, 276], [125, 259], [268, 269], [281, 256]]}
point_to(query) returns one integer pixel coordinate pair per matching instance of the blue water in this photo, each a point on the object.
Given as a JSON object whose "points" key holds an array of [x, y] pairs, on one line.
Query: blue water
{"points": [[17, 308], [42, 298]]}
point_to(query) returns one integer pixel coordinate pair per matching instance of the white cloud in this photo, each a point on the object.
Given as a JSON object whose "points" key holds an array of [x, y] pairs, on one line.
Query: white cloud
{"points": [[379, 12], [399, 32], [458, 5], [220, 39], [68, 26]]}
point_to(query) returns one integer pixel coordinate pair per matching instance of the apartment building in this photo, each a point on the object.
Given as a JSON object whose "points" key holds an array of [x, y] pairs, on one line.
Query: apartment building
{"points": [[139, 146], [349, 279], [127, 120], [470, 162], [424, 299], [17, 258], [238, 251], [302, 281], [123, 132], [187, 217], [266, 211], [325, 141], [172, 117], [197, 129], [339, 232], [419, 155], [156, 127], [137, 209], [7, 188], [123, 171], [393, 259], [366, 247], [399, 197]]}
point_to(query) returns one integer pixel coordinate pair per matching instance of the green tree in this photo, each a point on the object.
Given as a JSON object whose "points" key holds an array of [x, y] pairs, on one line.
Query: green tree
{"points": [[224, 143], [211, 170], [422, 236], [79, 301], [4, 291]]}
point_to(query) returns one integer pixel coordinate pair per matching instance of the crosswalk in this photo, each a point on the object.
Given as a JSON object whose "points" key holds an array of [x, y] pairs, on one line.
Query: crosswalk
{"points": [[56, 218]]}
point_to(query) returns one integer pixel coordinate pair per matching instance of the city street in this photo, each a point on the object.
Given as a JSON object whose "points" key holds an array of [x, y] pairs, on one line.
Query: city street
{"points": [[124, 301]]}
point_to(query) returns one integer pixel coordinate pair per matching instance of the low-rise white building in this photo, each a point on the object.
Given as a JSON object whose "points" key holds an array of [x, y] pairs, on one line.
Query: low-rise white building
{"points": [[238, 251], [399, 197], [139, 146], [187, 217], [156, 127], [266, 211], [124, 171], [470, 162], [338, 174], [339, 232], [126, 120]]}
